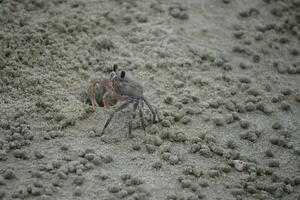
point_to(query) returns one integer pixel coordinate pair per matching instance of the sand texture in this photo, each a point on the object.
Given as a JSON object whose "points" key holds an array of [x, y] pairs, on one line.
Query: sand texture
{"points": [[223, 76]]}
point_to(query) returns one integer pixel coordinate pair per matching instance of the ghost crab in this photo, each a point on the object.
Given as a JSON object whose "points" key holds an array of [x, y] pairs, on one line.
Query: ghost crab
{"points": [[127, 90]]}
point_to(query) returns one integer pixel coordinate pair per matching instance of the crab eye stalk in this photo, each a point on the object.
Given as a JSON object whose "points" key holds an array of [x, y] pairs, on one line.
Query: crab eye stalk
{"points": [[122, 74], [115, 67]]}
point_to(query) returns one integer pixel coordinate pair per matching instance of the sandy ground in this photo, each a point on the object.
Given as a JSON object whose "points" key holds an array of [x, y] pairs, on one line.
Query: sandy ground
{"points": [[223, 76]]}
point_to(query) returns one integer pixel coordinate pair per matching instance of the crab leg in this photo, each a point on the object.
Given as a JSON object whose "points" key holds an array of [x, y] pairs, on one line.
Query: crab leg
{"points": [[151, 109], [142, 116], [119, 108], [91, 91], [105, 100], [135, 105]]}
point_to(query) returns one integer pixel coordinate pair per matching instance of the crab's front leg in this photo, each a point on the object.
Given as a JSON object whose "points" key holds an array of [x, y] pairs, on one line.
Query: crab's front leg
{"points": [[92, 95], [151, 110], [110, 94], [105, 100], [142, 116], [135, 105]]}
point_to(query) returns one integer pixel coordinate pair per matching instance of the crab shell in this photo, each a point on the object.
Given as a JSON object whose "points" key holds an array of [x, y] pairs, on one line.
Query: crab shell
{"points": [[127, 85]]}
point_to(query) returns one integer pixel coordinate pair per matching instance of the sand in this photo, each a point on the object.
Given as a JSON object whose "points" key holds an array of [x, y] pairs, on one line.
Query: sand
{"points": [[223, 76]]}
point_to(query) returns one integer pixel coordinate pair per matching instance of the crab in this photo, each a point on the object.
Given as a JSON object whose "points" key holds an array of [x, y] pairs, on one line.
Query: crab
{"points": [[128, 91]]}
